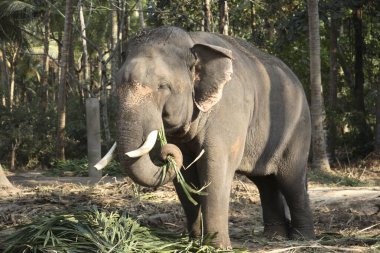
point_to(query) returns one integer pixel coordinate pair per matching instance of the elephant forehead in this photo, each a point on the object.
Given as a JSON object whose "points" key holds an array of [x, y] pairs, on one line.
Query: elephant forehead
{"points": [[137, 93]]}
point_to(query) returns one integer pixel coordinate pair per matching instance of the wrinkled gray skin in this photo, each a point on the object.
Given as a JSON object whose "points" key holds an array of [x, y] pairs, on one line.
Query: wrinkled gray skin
{"points": [[245, 108]]}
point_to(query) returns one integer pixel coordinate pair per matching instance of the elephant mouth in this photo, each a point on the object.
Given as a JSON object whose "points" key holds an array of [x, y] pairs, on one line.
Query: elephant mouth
{"points": [[177, 132]]}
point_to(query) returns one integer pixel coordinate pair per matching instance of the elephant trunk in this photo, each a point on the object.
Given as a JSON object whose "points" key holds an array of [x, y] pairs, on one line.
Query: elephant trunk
{"points": [[136, 157]]}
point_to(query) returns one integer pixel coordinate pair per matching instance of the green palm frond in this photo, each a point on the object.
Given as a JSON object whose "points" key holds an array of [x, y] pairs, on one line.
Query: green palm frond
{"points": [[16, 9], [93, 230], [171, 165], [14, 15]]}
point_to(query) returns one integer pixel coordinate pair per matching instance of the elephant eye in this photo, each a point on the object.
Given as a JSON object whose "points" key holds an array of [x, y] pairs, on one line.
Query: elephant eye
{"points": [[163, 86]]}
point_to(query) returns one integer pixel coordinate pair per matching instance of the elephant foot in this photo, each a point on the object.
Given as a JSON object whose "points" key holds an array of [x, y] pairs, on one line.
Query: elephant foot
{"points": [[195, 235], [276, 230], [213, 240], [217, 241], [222, 242], [304, 233]]}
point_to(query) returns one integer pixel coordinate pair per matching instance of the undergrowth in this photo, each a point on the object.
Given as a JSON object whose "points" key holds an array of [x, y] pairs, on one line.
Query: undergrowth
{"points": [[79, 167], [92, 230], [333, 178]]}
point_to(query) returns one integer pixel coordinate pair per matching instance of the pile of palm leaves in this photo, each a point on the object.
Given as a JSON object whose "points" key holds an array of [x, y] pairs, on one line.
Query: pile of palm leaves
{"points": [[96, 231]]}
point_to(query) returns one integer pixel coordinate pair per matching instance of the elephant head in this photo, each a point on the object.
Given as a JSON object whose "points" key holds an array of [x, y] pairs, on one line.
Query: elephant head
{"points": [[166, 80]]}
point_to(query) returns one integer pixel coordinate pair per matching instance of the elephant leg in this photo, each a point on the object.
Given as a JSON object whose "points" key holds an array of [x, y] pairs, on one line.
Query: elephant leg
{"points": [[192, 212], [294, 190], [273, 206], [215, 205]]}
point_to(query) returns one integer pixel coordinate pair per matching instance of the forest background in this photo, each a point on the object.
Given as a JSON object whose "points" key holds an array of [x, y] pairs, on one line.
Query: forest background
{"points": [[42, 110]]}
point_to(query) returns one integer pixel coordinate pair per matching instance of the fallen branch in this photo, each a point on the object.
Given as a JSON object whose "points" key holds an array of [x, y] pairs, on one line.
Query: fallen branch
{"points": [[367, 228]]}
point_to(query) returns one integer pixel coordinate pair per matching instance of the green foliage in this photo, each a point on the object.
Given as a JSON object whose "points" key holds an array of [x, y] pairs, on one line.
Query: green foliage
{"points": [[279, 27], [76, 137], [185, 14], [96, 231], [79, 167], [32, 133], [32, 136], [13, 16], [170, 164]]}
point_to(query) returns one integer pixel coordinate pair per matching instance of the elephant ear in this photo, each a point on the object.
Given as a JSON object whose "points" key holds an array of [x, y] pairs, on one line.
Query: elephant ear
{"points": [[212, 70]]}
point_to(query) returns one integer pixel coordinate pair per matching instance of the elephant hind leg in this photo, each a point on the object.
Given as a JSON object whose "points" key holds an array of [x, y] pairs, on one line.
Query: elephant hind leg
{"points": [[295, 193], [276, 220]]}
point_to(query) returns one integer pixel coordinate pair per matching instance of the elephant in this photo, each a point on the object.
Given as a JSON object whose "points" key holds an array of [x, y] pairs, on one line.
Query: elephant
{"points": [[245, 108]]}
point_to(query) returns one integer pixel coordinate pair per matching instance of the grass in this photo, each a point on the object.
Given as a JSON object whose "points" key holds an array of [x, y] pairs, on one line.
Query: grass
{"points": [[92, 230], [334, 178], [171, 165]]}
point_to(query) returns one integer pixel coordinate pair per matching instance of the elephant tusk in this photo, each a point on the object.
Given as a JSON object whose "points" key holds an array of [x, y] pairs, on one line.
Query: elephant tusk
{"points": [[106, 159], [146, 147]]}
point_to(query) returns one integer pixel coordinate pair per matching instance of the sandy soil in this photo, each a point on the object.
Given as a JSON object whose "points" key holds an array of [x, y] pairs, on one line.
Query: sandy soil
{"points": [[347, 219]]}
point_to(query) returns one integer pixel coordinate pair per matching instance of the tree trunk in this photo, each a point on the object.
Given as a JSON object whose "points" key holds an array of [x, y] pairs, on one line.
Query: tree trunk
{"points": [[320, 159], [59, 44], [85, 65], [15, 146], [45, 63], [223, 17], [61, 103], [346, 70], [114, 45], [141, 14], [359, 73], [377, 138], [12, 76], [253, 20], [92, 67], [4, 182], [365, 134], [332, 98], [104, 104], [208, 15], [123, 31], [4, 76], [72, 81]]}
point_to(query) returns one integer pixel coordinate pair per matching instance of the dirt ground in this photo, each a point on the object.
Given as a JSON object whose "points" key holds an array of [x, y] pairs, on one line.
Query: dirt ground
{"points": [[347, 219]]}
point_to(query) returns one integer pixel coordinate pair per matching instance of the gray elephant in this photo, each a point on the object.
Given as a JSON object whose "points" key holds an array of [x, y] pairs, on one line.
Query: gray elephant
{"points": [[245, 108]]}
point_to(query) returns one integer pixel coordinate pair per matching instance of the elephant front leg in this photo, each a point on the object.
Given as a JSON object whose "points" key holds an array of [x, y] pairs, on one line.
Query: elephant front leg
{"points": [[192, 212], [215, 205]]}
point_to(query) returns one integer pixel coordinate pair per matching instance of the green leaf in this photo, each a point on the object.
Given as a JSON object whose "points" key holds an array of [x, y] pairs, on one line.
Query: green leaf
{"points": [[170, 164]]}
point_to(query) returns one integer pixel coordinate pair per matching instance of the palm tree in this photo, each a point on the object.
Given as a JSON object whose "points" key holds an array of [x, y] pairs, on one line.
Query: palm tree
{"points": [[318, 115], [61, 103], [13, 16]]}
